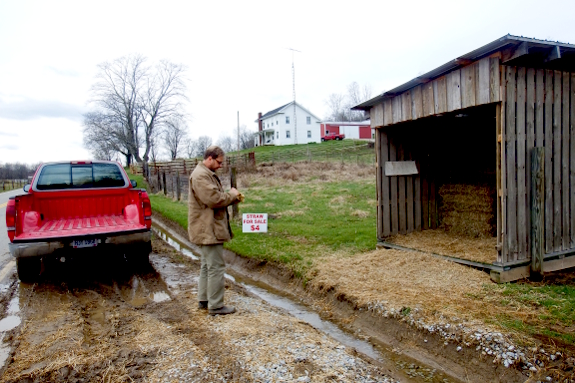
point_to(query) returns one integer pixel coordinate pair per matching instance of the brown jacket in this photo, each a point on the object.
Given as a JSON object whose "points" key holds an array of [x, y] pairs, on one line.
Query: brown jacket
{"points": [[208, 222]]}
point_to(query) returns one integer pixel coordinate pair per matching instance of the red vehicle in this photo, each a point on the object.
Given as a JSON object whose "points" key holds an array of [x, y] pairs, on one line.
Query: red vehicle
{"points": [[74, 205], [333, 136]]}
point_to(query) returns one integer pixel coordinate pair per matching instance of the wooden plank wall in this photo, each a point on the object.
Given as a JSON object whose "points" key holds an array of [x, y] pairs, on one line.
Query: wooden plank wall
{"points": [[537, 110], [472, 85], [405, 203]]}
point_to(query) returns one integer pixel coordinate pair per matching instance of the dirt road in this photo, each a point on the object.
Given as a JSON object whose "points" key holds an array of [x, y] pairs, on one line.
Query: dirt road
{"points": [[94, 321]]}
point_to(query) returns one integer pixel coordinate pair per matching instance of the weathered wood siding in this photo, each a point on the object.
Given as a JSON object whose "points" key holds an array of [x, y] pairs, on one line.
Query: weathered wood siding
{"points": [[405, 203], [537, 110], [472, 85]]}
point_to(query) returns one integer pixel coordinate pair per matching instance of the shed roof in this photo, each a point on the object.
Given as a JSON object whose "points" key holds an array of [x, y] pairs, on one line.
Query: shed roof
{"points": [[515, 50]]}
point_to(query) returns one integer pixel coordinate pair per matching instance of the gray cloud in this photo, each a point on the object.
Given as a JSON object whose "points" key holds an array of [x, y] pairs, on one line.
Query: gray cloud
{"points": [[30, 109]]}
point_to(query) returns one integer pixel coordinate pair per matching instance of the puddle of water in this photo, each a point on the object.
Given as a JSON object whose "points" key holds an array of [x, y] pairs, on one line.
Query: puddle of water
{"points": [[9, 322], [409, 367], [14, 306], [174, 240], [160, 296], [4, 354]]}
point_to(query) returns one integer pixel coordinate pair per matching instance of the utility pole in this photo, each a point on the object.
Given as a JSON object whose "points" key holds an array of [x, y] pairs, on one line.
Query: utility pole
{"points": [[238, 132]]}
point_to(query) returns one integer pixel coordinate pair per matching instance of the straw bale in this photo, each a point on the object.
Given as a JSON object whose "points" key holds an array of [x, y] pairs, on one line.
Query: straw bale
{"points": [[443, 242], [467, 210]]}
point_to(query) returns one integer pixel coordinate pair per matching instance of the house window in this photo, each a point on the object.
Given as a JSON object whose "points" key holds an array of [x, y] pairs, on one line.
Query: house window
{"points": [[277, 123], [287, 119], [287, 134], [308, 120], [309, 134], [278, 135]]}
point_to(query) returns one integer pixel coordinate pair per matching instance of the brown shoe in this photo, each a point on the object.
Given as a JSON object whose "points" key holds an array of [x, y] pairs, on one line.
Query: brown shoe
{"points": [[224, 310], [202, 305]]}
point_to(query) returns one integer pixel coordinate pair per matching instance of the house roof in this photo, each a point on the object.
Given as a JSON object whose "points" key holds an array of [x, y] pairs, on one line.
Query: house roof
{"points": [[354, 123], [281, 109], [516, 50]]}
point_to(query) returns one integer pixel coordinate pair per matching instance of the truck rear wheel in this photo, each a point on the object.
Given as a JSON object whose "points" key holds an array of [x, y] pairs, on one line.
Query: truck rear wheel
{"points": [[140, 254], [28, 269]]}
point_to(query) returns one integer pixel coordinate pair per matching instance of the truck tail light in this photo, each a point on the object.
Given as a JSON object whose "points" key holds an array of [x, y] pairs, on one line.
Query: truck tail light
{"points": [[147, 206], [11, 219]]}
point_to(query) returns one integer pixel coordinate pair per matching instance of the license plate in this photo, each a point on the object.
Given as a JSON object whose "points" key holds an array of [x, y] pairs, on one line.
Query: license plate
{"points": [[84, 243]]}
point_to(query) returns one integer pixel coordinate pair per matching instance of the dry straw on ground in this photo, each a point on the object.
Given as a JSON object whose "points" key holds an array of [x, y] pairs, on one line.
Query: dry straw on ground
{"points": [[441, 242], [397, 279]]}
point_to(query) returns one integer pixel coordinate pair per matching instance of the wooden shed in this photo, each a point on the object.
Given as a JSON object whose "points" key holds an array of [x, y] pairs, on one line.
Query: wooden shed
{"points": [[488, 116]]}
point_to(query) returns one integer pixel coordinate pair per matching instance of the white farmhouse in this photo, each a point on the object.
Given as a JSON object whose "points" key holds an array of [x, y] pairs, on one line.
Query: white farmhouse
{"points": [[277, 127]]}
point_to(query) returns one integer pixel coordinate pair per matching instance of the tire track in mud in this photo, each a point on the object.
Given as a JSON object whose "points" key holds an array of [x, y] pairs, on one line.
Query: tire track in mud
{"points": [[104, 321], [112, 330]]}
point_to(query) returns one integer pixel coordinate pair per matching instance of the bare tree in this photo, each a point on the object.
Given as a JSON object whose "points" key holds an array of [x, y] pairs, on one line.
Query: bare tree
{"points": [[336, 107], [191, 147], [132, 101], [104, 135], [246, 138], [162, 99], [226, 143], [339, 105], [175, 131], [202, 143]]}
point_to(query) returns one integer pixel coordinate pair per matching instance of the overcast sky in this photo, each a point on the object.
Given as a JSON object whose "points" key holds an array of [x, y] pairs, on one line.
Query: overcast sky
{"points": [[236, 55]]}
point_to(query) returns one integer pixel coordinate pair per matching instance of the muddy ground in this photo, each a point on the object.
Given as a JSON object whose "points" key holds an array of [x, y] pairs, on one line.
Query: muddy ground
{"points": [[94, 321]]}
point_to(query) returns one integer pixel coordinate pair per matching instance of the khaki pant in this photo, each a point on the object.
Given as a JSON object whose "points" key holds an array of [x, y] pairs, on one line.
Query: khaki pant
{"points": [[211, 286]]}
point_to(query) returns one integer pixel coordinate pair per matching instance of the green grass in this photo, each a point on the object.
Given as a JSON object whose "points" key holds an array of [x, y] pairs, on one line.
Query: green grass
{"points": [[554, 305], [306, 221]]}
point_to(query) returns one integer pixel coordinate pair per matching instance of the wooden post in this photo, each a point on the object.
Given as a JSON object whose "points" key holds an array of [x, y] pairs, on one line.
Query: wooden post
{"points": [[537, 212], [164, 182], [233, 182], [178, 189]]}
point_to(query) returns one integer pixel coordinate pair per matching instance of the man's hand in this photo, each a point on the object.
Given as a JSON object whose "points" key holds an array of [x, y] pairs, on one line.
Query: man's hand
{"points": [[234, 193]]}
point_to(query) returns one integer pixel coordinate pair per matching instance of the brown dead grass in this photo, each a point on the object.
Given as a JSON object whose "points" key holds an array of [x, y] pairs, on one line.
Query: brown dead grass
{"points": [[279, 174], [441, 242], [397, 279]]}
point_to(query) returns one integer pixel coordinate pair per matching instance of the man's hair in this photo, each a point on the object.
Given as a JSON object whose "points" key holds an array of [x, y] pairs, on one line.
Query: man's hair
{"points": [[214, 152]]}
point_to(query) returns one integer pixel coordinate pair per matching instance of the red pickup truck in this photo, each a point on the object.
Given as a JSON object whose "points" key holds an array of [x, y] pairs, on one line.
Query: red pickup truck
{"points": [[333, 136], [73, 205]]}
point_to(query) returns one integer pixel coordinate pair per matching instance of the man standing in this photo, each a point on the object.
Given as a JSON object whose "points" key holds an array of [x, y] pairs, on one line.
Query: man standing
{"points": [[209, 228]]}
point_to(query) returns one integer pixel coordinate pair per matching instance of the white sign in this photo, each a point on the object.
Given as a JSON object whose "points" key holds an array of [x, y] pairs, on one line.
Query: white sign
{"points": [[255, 223]]}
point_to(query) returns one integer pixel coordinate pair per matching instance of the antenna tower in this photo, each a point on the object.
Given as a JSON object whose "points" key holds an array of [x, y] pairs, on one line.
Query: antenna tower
{"points": [[294, 105]]}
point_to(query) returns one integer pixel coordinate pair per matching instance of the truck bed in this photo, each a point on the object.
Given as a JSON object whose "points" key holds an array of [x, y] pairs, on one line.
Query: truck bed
{"points": [[74, 227]]}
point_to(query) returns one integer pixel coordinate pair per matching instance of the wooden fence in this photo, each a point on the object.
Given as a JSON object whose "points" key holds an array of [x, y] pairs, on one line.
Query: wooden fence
{"points": [[6, 185]]}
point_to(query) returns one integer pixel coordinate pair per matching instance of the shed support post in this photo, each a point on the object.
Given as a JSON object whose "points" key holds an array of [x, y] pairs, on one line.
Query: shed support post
{"points": [[537, 212]]}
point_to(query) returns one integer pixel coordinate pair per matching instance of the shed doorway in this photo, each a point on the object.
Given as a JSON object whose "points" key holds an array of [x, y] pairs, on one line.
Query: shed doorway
{"points": [[456, 156]]}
